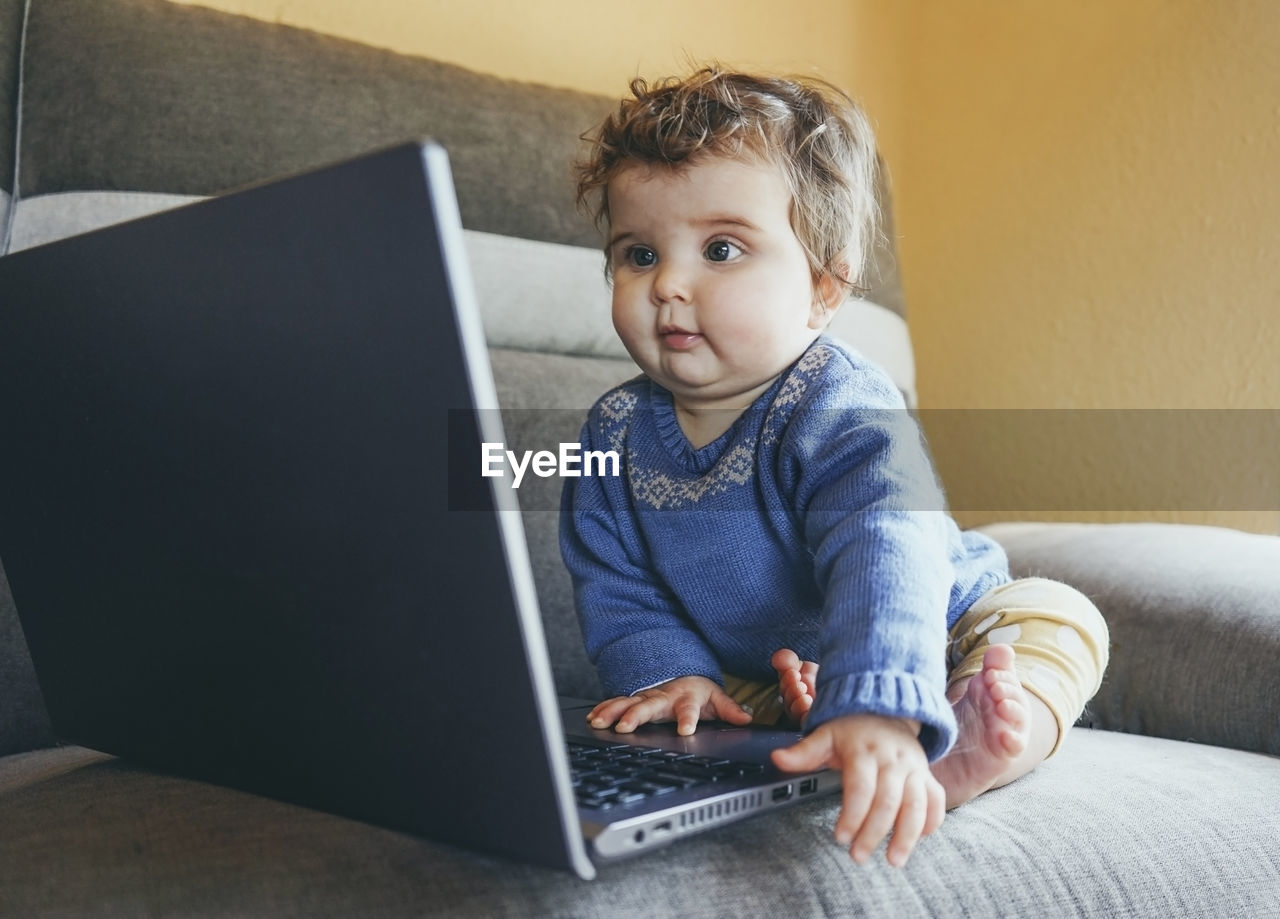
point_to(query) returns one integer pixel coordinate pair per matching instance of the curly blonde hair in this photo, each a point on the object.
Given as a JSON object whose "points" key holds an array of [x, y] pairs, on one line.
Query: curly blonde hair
{"points": [[812, 131]]}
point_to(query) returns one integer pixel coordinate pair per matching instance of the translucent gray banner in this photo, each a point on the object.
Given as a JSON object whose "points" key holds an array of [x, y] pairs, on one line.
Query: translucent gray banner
{"points": [[1127, 460]]}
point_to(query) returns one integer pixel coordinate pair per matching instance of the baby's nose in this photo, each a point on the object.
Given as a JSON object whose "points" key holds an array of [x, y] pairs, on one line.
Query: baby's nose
{"points": [[671, 282]]}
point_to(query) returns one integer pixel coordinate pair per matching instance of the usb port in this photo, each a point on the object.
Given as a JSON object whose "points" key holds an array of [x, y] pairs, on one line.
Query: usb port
{"points": [[808, 786], [782, 792]]}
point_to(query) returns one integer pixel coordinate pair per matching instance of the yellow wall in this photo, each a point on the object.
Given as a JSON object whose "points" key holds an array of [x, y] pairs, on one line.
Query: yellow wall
{"points": [[595, 45], [1089, 199], [1088, 195]]}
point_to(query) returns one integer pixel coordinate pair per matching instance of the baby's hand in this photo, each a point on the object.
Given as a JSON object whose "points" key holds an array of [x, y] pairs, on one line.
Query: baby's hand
{"points": [[887, 782], [683, 700]]}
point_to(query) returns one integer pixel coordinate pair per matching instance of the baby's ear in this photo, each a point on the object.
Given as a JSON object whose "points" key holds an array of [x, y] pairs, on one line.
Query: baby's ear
{"points": [[829, 292]]}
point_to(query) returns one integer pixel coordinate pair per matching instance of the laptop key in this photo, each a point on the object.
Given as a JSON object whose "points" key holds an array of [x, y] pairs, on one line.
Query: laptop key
{"points": [[595, 801], [647, 788], [671, 778]]}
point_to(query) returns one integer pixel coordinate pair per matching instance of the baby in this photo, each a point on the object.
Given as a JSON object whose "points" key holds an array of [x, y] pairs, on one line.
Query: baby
{"points": [[777, 510]]}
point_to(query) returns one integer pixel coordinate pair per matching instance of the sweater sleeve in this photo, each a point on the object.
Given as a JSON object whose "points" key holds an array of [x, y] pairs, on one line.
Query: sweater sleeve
{"points": [[874, 519], [633, 627]]}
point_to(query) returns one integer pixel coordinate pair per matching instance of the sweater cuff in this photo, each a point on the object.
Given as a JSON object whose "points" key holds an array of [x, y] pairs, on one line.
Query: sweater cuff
{"points": [[894, 695], [645, 659]]}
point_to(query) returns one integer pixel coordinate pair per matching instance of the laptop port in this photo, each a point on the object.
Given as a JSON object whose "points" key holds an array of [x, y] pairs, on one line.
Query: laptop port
{"points": [[808, 786], [782, 792]]}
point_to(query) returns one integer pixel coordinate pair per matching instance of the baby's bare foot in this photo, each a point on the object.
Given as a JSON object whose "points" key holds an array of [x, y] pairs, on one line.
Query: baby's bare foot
{"points": [[994, 716], [797, 682]]}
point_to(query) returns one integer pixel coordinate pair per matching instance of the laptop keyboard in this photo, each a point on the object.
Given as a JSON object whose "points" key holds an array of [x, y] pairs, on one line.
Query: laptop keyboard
{"points": [[612, 774]]}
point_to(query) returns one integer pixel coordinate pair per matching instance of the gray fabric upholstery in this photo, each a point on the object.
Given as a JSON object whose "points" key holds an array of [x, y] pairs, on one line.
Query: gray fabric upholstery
{"points": [[143, 95], [1116, 825], [10, 32], [24, 723], [1194, 614]]}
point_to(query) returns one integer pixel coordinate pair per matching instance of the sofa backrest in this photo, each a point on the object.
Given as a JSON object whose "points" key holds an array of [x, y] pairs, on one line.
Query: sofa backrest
{"points": [[150, 96], [129, 106]]}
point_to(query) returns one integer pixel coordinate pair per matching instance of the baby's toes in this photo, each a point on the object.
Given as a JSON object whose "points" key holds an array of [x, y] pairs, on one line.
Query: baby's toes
{"points": [[1002, 684], [784, 660], [1014, 739], [792, 691], [1009, 700], [796, 701], [1014, 742], [809, 676], [998, 657]]}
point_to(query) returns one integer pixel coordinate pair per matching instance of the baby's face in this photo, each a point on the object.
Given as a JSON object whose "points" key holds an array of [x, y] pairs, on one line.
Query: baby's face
{"points": [[712, 292]]}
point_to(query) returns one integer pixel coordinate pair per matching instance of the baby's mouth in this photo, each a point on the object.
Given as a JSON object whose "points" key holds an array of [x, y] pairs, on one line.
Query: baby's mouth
{"points": [[678, 339]]}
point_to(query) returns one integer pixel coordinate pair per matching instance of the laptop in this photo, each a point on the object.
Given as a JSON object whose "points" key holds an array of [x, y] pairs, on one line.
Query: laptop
{"points": [[237, 553]]}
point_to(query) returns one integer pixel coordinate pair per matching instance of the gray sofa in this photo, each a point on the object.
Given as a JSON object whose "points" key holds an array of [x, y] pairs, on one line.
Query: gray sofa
{"points": [[1166, 803]]}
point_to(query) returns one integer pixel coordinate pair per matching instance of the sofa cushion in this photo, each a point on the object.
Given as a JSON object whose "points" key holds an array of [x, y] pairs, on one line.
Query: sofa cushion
{"points": [[1195, 630], [1116, 825], [46, 218]]}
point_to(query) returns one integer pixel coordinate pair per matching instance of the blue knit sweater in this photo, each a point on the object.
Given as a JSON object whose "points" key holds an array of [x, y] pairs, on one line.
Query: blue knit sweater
{"points": [[814, 523]]}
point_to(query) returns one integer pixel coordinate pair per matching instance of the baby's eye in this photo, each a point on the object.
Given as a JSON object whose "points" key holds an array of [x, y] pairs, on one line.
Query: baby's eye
{"points": [[722, 251], [640, 256]]}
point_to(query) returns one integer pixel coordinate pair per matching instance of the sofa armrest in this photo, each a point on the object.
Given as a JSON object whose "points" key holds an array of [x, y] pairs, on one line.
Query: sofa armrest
{"points": [[1194, 614]]}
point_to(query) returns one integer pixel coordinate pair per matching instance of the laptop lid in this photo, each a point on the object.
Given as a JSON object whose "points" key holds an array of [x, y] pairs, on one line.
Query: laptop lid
{"points": [[225, 508]]}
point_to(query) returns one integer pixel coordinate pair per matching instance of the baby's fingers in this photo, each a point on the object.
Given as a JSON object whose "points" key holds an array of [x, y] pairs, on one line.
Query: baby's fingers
{"points": [[881, 817], [609, 711], [626, 713], [912, 817], [643, 710], [937, 811], [687, 711], [722, 706], [859, 791]]}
